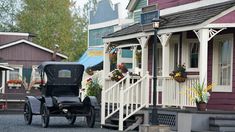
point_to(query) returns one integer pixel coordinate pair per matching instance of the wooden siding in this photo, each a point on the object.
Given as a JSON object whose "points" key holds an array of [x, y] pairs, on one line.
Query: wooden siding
{"points": [[229, 18], [24, 54], [137, 16], [220, 100], [140, 4], [10, 38], [162, 4]]}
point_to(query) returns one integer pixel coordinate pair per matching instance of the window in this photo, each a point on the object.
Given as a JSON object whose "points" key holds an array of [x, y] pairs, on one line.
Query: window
{"points": [[14, 78], [64, 74], [193, 54], [222, 64]]}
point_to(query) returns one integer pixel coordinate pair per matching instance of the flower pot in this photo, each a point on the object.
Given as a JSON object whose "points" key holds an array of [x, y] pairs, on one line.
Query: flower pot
{"points": [[180, 79], [201, 106]]}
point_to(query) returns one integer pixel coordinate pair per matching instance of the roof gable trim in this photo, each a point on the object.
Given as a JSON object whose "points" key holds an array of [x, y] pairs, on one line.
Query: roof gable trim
{"points": [[32, 44]]}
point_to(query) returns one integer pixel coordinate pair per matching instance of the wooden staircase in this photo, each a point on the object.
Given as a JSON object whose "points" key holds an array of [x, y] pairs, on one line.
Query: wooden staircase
{"points": [[123, 100]]}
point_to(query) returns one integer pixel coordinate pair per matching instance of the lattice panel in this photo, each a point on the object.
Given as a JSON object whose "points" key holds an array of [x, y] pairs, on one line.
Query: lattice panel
{"points": [[167, 119]]}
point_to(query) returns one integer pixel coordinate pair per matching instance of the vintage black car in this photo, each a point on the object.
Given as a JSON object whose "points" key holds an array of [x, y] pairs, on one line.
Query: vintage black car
{"points": [[60, 95]]}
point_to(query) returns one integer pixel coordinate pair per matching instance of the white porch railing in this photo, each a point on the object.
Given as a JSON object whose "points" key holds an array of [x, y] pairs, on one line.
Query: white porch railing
{"points": [[127, 96], [174, 93]]}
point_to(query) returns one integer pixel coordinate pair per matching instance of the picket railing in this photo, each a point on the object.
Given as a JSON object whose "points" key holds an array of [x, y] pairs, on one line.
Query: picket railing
{"points": [[133, 98], [130, 92], [172, 93]]}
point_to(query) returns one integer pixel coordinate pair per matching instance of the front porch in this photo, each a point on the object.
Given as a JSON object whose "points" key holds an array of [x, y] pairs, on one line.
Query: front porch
{"points": [[199, 46]]}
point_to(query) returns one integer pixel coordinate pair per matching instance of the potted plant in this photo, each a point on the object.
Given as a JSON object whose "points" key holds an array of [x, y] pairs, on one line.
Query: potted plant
{"points": [[116, 75], [200, 95], [94, 88], [179, 74]]}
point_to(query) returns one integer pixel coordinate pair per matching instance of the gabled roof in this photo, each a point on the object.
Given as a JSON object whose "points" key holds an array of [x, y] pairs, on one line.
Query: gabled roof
{"points": [[180, 19], [32, 44], [131, 5]]}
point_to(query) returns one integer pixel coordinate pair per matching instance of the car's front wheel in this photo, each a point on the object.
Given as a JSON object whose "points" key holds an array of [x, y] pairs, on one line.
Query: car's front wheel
{"points": [[45, 115], [27, 113], [90, 118]]}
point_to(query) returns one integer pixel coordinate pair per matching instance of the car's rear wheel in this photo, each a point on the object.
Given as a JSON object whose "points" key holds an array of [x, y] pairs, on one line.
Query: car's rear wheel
{"points": [[45, 116], [27, 113], [90, 118], [71, 119]]}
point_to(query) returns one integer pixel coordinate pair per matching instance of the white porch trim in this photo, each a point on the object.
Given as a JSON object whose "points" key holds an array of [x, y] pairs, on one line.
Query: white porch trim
{"points": [[144, 56], [164, 39]]}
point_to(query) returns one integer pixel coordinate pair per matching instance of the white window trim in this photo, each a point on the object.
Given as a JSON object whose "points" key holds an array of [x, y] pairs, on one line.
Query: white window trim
{"points": [[34, 67], [20, 67], [219, 88], [188, 68]]}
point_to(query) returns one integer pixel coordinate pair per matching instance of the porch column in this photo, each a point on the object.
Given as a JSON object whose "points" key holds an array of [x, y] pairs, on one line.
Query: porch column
{"points": [[144, 56], [119, 55], [134, 58], [106, 70], [164, 39], [106, 65], [203, 39]]}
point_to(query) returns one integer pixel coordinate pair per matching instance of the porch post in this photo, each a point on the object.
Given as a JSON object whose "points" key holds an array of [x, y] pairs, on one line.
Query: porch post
{"points": [[119, 55], [134, 58], [203, 39], [164, 39], [106, 70], [144, 56]]}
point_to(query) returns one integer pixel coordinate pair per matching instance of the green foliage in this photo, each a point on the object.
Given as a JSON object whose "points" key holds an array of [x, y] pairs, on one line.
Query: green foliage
{"points": [[9, 10], [53, 22], [94, 88]]}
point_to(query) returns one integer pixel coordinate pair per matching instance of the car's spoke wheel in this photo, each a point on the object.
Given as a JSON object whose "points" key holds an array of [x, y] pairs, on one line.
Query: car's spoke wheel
{"points": [[45, 116], [71, 119], [27, 113], [90, 118]]}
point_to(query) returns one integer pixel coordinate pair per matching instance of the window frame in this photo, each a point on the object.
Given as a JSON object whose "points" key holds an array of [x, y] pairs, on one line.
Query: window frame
{"points": [[20, 67], [188, 44], [216, 40]]}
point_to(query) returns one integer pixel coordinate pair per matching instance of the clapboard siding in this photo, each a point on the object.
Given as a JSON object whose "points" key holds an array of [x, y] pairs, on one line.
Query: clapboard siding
{"points": [[26, 55], [162, 4], [140, 4], [9, 38], [220, 100]]}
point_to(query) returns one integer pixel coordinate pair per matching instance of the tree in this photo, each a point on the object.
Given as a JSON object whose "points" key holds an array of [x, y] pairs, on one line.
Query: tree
{"points": [[9, 10], [53, 22]]}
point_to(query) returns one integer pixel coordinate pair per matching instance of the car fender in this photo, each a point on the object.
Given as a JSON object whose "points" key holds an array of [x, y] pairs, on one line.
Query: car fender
{"points": [[34, 104], [48, 101], [91, 101]]}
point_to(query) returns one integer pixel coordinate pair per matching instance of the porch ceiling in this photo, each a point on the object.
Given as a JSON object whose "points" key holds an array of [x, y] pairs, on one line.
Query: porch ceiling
{"points": [[178, 20]]}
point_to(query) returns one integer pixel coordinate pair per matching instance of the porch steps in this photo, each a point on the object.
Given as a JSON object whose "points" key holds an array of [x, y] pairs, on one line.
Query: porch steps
{"points": [[223, 124]]}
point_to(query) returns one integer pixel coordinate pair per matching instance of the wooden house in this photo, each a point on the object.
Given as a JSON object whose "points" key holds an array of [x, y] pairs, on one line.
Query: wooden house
{"points": [[19, 52], [197, 33]]}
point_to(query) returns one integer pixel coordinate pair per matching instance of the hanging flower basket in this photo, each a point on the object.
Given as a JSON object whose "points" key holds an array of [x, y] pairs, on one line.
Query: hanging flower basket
{"points": [[179, 74], [180, 79], [113, 57], [89, 71]]}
